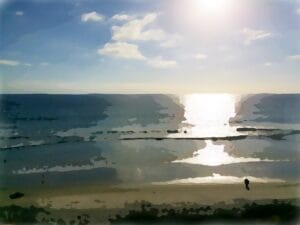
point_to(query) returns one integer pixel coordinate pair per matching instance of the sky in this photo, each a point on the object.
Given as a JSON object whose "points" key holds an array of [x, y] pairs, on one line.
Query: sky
{"points": [[154, 46]]}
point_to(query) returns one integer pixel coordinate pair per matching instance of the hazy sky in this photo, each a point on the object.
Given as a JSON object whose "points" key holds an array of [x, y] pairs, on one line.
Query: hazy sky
{"points": [[138, 46]]}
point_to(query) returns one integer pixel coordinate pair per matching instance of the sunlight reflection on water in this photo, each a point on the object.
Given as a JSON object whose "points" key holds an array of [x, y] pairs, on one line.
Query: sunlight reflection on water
{"points": [[208, 115], [214, 155]]}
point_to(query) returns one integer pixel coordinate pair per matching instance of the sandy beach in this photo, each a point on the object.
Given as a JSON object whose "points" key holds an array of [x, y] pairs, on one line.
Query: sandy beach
{"points": [[101, 203], [94, 196]]}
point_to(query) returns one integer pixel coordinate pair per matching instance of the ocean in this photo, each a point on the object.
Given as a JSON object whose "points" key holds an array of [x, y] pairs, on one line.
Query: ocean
{"points": [[111, 139]]}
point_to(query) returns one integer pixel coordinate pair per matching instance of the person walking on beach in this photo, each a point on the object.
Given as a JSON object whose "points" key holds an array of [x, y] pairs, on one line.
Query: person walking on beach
{"points": [[247, 183]]}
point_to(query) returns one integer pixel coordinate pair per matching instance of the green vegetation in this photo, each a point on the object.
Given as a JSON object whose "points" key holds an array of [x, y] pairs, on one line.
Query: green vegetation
{"points": [[276, 212], [18, 214], [272, 213]]}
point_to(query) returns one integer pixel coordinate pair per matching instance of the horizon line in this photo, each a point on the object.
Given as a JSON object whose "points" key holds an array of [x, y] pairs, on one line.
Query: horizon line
{"points": [[141, 93]]}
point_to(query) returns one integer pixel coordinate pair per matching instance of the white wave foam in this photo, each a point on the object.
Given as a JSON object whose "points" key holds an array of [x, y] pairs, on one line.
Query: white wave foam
{"points": [[92, 165], [219, 179]]}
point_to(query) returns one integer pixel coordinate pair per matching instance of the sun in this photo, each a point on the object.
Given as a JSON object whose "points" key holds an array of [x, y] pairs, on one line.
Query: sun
{"points": [[205, 19], [210, 6], [207, 10]]}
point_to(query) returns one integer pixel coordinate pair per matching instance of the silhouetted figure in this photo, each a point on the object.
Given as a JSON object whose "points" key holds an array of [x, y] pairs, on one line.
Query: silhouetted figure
{"points": [[247, 182]]}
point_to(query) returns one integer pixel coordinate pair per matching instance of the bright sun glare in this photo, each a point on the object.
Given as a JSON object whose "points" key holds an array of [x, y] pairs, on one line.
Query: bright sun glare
{"points": [[210, 6], [208, 9]]}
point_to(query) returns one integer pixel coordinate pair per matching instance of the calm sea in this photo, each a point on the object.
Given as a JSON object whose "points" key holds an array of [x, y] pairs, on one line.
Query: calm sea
{"points": [[148, 139]]}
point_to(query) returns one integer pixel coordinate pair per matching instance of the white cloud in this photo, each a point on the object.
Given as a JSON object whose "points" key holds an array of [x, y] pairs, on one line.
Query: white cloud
{"points": [[44, 64], [138, 30], [122, 17], [268, 64], [9, 62], [19, 13], [255, 35], [161, 63], [294, 57], [201, 56], [121, 50], [298, 11], [134, 30], [171, 41], [13, 63], [223, 48], [92, 17]]}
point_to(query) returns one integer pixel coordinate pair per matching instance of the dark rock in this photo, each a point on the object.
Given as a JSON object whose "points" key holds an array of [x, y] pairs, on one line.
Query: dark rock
{"points": [[16, 195], [172, 131]]}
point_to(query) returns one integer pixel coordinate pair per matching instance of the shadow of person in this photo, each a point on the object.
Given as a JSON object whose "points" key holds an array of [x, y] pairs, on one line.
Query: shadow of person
{"points": [[247, 183]]}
